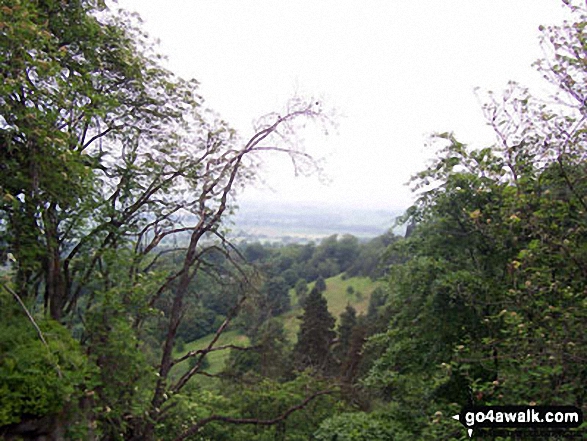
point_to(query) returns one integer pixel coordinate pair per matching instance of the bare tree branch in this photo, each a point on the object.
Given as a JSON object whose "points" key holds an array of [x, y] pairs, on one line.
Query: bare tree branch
{"points": [[34, 323], [255, 421], [191, 354], [189, 374]]}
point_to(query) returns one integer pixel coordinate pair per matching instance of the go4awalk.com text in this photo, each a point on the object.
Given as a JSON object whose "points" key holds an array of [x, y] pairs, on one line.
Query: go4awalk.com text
{"points": [[519, 417]]}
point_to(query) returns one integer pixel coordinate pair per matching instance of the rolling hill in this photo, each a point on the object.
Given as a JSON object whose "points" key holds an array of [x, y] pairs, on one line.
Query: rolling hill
{"points": [[337, 296]]}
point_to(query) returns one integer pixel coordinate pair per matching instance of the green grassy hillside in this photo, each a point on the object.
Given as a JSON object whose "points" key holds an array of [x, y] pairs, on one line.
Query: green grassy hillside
{"points": [[336, 294], [216, 359]]}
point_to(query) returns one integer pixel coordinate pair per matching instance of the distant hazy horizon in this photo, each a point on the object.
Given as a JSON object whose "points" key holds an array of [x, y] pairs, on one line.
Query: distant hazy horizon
{"points": [[350, 205], [310, 220]]}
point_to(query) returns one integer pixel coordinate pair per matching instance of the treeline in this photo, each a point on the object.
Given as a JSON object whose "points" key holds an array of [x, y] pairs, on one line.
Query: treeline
{"points": [[333, 255], [279, 268]]}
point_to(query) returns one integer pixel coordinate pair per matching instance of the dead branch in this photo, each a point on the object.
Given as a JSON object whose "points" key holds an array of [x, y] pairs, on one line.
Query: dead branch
{"points": [[189, 374], [255, 421], [218, 181], [191, 354], [34, 323]]}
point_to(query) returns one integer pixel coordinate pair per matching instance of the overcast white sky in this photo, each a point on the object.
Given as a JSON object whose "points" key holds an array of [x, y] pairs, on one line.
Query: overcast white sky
{"points": [[397, 71]]}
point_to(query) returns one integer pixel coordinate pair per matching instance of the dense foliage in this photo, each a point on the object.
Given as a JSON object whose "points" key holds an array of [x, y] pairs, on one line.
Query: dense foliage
{"points": [[489, 305], [114, 187], [119, 283]]}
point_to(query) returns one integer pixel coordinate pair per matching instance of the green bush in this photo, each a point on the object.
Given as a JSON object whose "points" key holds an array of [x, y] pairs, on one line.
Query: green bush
{"points": [[359, 426], [36, 379]]}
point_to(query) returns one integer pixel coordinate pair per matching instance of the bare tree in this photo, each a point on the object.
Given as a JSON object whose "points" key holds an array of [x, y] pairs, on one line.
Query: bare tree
{"points": [[210, 183]]}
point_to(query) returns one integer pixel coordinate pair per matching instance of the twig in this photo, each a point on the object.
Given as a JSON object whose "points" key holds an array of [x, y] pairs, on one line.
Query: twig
{"points": [[32, 320], [196, 427], [217, 348]]}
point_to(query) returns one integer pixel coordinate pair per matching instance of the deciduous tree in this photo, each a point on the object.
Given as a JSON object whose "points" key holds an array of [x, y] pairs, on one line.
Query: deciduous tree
{"points": [[111, 164]]}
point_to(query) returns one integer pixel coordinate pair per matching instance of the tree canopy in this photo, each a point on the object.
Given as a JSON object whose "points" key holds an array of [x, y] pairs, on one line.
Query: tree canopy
{"points": [[488, 305], [116, 181]]}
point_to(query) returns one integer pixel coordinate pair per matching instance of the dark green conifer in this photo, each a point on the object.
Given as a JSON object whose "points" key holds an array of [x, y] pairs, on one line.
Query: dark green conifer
{"points": [[320, 284], [348, 320], [316, 334]]}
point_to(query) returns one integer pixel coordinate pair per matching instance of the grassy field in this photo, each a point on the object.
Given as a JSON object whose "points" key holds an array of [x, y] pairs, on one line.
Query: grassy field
{"points": [[336, 295], [216, 359]]}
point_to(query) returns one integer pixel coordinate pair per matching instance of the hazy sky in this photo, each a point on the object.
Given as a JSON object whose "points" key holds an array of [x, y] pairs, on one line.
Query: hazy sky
{"points": [[397, 71]]}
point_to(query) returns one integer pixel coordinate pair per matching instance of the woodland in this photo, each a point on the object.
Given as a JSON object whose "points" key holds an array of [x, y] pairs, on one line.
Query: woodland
{"points": [[130, 314]]}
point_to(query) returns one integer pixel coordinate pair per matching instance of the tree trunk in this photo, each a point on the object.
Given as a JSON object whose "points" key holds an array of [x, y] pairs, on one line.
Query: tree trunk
{"points": [[55, 290]]}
